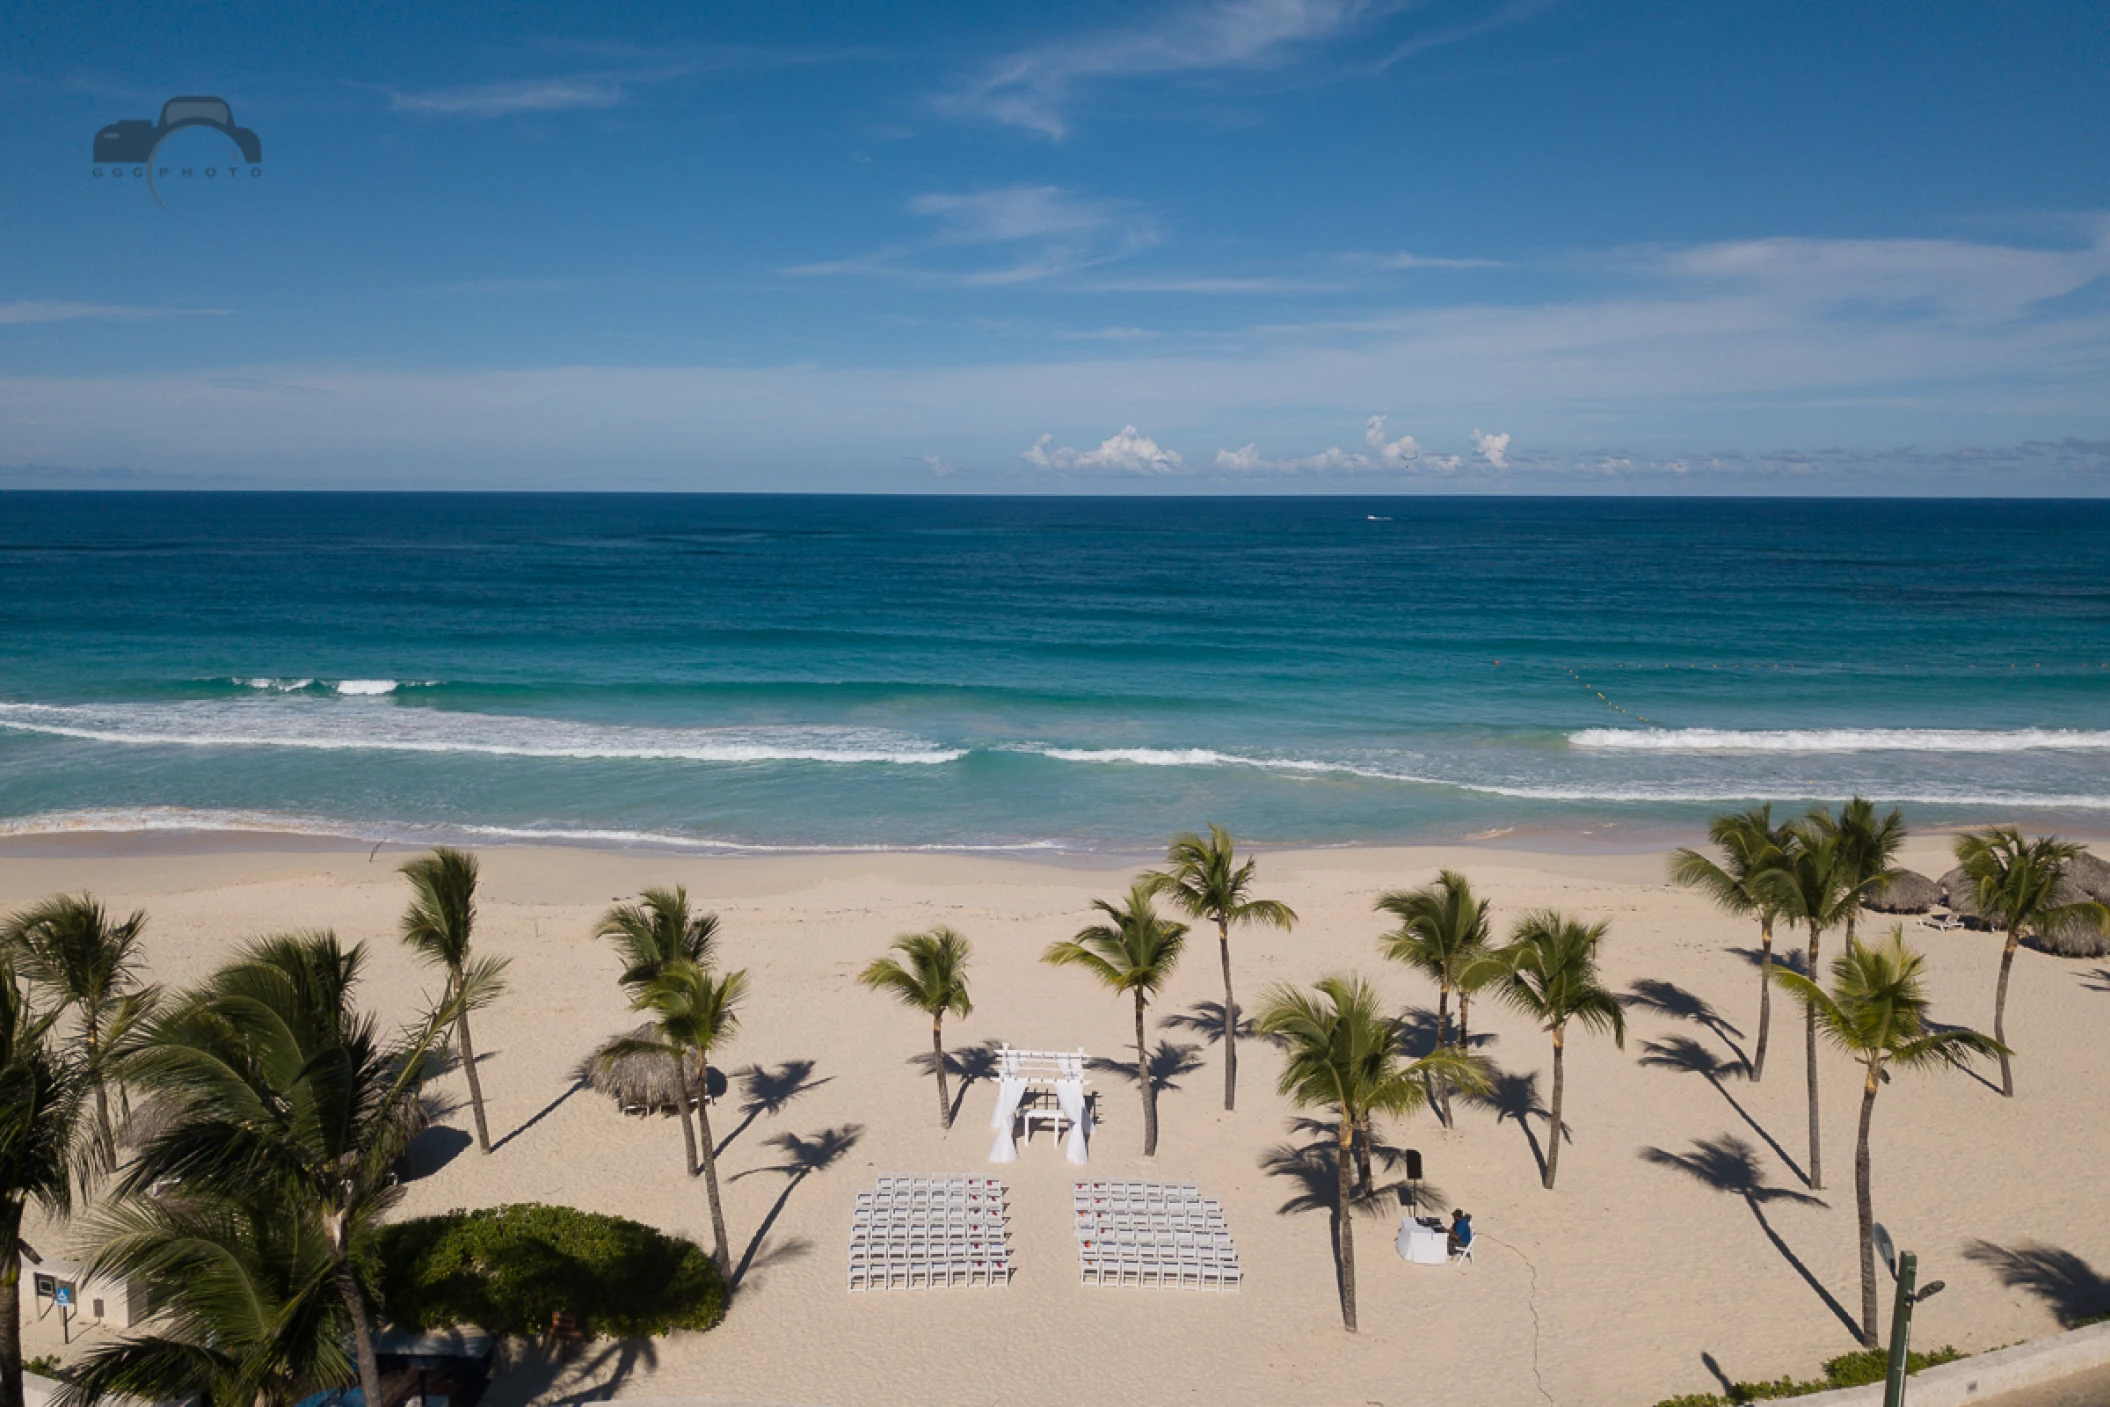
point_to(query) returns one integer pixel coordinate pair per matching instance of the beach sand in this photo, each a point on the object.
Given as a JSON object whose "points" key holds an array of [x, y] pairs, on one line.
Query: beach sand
{"points": [[1632, 1281]]}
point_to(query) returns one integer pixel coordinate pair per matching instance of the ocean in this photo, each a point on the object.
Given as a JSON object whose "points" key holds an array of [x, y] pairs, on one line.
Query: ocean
{"points": [[1040, 675]]}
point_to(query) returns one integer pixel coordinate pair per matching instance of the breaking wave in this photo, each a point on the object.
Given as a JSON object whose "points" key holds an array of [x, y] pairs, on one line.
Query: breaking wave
{"points": [[1841, 740]]}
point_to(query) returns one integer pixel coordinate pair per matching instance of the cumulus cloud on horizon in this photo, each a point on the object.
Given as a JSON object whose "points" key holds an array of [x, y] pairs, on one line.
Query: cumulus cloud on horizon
{"points": [[1130, 452]]}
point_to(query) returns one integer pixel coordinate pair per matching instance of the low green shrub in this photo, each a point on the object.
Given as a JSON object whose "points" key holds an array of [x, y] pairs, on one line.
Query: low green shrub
{"points": [[509, 1269], [1848, 1370]]}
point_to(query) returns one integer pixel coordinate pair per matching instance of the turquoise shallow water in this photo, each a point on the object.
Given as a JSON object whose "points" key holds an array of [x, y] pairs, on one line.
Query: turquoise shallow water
{"points": [[1077, 674]]}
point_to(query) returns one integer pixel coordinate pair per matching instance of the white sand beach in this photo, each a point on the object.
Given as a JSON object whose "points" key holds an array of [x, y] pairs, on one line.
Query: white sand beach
{"points": [[1633, 1280]]}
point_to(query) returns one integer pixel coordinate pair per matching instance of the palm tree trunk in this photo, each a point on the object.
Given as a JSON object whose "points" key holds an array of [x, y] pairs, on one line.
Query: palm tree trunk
{"points": [[2007, 963], [1553, 1134], [362, 1329], [1363, 1137], [937, 1050], [721, 1247], [1465, 1008], [1344, 1223], [1765, 997], [1809, 1035], [1443, 1021], [1864, 1204], [688, 1126], [11, 1308], [1223, 939], [1150, 1089], [476, 1086]]}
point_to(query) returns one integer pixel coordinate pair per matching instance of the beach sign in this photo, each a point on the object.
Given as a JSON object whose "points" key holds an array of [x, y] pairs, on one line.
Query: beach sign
{"points": [[47, 1286], [62, 1294]]}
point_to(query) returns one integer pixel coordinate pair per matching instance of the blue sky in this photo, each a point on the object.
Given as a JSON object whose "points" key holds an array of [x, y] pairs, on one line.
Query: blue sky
{"points": [[1556, 245]]}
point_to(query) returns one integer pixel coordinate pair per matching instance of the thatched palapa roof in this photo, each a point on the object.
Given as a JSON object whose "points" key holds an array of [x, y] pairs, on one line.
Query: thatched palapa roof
{"points": [[641, 1079], [1909, 893]]}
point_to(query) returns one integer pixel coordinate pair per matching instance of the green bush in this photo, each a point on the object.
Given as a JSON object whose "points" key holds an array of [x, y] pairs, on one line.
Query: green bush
{"points": [[508, 1269], [1848, 1370]]}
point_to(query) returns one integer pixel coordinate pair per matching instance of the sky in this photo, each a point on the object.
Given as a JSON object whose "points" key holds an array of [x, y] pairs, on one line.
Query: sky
{"points": [[1175, 246]]}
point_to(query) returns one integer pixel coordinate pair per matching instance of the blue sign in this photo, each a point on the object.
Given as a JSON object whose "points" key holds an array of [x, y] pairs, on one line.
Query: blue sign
{"points": [[64, 1295]]}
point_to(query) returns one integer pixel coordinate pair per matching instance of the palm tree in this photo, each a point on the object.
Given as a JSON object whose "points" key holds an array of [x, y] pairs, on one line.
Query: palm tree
{"points": [[40, 1104], [1876, 1012], [1135, 952], [694, 1012], [1751, 845], [1342, 1054], [250, 1310], [1868, 846], [1204, 880], [1442, 933], [1811, 887], [656, 931], [70, 946], [438, 924], [932, 980], [1549, 973], [2018, 883], [282, 1094]]}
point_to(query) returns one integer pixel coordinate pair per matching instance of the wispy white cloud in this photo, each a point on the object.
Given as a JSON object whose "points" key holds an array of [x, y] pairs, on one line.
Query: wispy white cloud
{"points": [[1492, 448], [1384, 454], [1129, 452], [1405, 260], [55, 311], [577, 92], [1198, 284], [1010, 235], [1033, 88], [938, 465]]}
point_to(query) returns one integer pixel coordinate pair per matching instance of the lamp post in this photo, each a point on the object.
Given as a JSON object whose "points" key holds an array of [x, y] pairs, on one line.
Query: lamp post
{"points": [[1904, 1268]]}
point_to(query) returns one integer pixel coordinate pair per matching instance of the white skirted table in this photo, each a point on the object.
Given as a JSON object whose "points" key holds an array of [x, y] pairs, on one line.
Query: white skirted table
{"points": [[1423, 1244], [1048, 1072]]}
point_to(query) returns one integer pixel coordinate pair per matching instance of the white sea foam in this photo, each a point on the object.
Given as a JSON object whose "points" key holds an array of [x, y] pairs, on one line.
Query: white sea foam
{"points": [[1208, 757], [1809, 740], [316, 726], [365, 688], [181, 819], [280, 686]]}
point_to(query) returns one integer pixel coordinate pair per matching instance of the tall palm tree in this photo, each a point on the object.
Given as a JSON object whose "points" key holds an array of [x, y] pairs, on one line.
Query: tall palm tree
{"points": [[1442, 933], [1134, 951], [438, 924], [1876, 1012], [2017, 886], [1204, 880], [1811, 887], [1342, 1054], [694, 1012], [1549, 973], [1751, 845], [931, 977], [656, 931], [250, 1313], [90, 963], [1868, 848], [40, 1105], [281, 1093]]}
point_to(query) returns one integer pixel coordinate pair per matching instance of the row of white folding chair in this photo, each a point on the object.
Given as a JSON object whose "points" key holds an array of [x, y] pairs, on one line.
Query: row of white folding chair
{"points": [[929, 1216], [907, 1275], [1113, 1184], [1188, 1275], [912, 1183]]}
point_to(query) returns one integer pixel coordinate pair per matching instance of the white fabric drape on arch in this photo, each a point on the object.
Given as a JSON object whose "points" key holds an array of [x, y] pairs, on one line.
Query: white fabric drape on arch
{"points": [[1010, 1093], [1069, 1097]]}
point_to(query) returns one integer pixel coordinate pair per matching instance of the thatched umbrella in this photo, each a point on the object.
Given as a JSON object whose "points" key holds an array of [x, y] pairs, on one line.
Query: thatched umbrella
{"points": [[1909, 893], [642, 1079], [2073, 939], [2092, 873], [1960, 893]]}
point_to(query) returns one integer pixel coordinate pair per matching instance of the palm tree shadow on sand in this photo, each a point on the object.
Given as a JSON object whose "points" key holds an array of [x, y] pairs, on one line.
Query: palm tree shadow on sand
{"points": [[1685, 1054], [1206, 1019], [2098, 980], [1168, 1063], [1728, 1164], [803, 1157], [549, 1374], [2074, 1290], [767, 1091], [968, 1065], [1515, 1095], [1669, 999]]}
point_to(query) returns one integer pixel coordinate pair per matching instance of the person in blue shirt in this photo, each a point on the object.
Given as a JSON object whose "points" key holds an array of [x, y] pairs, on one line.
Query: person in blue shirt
{"points": [[1461, 1231]]}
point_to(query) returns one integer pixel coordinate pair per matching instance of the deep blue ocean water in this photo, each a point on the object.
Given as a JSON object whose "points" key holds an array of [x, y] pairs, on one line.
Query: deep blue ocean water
{"points": [[1084, 674]]}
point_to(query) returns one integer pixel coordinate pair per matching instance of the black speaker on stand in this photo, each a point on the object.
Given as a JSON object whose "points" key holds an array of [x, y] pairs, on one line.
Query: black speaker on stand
{"points": [[1412, 1191]]}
